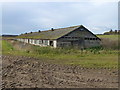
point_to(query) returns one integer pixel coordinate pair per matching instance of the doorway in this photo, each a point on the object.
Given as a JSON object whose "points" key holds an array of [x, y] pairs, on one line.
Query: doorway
{"points": [[51, 43]]}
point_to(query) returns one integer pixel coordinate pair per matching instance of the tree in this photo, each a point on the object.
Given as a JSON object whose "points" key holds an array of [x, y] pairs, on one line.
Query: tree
{"points": [[116, 32], [39, 31], [111, 31]]}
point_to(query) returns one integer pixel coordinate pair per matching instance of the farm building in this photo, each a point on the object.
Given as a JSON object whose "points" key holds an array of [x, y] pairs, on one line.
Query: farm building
{"points": [[74, 36]]}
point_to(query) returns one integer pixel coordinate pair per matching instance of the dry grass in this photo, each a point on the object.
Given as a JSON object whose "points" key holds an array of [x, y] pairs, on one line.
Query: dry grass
{"points": [[110, 41]]}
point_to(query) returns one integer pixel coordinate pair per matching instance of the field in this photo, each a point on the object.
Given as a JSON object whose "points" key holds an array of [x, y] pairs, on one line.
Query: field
{"points": [[113, 37], [27, 72], [88, 58], [30, 66]]}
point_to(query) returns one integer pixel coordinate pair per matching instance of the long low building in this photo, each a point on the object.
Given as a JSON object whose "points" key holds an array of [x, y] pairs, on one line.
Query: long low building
{"points": [[75, 36]]}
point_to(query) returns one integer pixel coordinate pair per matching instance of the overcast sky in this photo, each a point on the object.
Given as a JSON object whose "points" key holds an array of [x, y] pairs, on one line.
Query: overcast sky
{"points": [[21, 17]]}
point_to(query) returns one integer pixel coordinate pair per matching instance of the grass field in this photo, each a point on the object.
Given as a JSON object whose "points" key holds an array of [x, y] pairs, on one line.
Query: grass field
{"points": [[112, 37], [96, 58]]}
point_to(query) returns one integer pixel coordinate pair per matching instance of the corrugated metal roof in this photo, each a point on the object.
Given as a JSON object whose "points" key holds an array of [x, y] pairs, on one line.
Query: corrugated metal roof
{"points": [[50, 34]]}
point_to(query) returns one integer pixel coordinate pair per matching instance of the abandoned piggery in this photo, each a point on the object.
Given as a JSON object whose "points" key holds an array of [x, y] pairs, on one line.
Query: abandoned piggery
{"points": [[74, 36]]}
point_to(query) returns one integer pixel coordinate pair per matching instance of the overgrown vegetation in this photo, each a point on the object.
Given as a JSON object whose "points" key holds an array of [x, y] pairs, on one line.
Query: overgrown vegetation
{"points": [[110, 42], [96, 57]]}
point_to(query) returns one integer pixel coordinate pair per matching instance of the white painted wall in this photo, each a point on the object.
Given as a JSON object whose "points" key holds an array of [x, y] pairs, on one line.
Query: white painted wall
{"points": [[26, 40], [48, 42], [37, 42], [33, 41], [54, 43], [22, 40]]}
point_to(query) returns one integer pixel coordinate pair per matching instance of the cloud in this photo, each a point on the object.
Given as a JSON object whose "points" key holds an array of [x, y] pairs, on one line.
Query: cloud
{"points": [[59, 0], [25, 17]]}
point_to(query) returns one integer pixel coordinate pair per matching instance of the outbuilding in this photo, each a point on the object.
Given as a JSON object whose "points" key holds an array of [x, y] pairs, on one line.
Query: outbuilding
{"points": [[74, 36]]}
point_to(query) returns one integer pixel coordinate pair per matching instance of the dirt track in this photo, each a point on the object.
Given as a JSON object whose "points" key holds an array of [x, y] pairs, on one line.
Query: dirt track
{"points": [[25, 72]]}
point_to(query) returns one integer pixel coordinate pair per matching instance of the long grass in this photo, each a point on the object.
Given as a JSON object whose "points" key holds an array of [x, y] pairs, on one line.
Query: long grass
{"points": [[93, 57], [110, 41]]}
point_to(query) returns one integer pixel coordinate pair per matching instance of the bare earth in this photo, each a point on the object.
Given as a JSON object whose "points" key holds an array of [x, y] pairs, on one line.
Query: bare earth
{"points": [[25, 72]]}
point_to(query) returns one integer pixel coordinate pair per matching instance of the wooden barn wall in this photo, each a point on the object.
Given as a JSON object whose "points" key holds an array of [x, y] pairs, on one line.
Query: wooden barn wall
{"points": [[77, 38]]}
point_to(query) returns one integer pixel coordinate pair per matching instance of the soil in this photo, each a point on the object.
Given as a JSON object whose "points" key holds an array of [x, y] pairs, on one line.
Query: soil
{"points": [[27, 72]]}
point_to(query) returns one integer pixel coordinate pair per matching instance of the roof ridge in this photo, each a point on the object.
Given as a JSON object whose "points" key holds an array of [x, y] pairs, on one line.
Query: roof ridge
{"points": [[51, 34], [62, 28]]}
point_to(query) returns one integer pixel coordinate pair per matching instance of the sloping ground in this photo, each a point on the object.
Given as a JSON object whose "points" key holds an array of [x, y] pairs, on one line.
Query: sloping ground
{"points": [[26, 72], [111, 37]]}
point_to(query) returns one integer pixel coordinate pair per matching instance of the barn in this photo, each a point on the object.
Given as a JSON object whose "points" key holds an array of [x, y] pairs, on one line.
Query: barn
{"points": [[74, 36]]}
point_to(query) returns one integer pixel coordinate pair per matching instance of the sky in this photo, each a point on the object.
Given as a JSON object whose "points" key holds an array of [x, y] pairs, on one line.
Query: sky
{"points": [[22, 17]]}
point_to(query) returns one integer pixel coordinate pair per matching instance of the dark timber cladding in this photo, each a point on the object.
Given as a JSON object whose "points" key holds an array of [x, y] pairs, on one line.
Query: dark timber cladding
{"points": [[75, 36]]}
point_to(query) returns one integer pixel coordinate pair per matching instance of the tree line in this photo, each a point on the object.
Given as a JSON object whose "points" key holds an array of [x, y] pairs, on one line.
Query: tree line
{"points": [[112, 32]]}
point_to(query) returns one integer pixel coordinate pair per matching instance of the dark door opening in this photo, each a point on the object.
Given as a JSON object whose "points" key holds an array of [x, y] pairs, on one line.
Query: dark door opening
{"points": [[28, 40], [51, 43]]}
